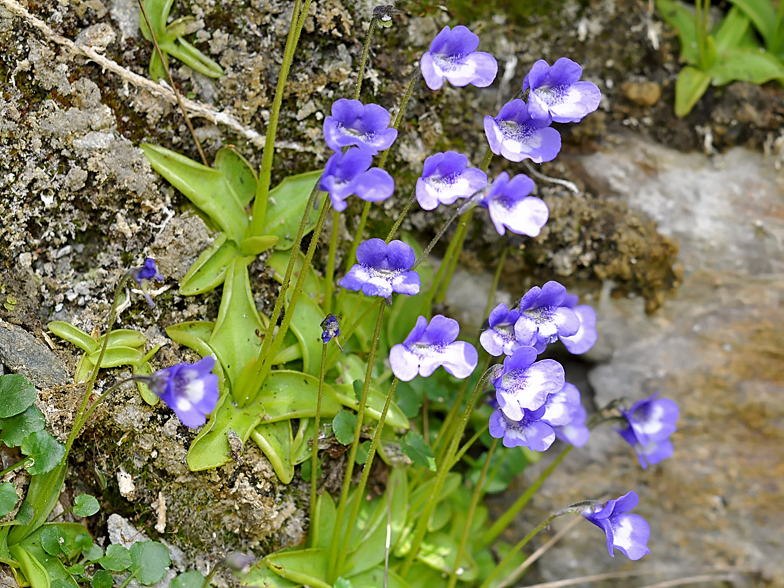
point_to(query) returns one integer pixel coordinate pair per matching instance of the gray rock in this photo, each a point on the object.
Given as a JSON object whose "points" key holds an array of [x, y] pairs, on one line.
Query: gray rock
{"points": [[24, 354]]}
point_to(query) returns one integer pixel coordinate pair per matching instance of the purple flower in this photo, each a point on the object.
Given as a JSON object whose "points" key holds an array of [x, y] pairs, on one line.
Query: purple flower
{"points": [[529, 431], [500, 338], [649, 423], [517, 136], [383, 269], [627, 532], [354, 123], [556, 92], [511, 207], [447, 177], [453, 56], [330, 328], [348, 173], [561, 406], [431, 345], [143, 275], [575, 433], [525, 384], [190, 390], [586, 335], [544, 317]]}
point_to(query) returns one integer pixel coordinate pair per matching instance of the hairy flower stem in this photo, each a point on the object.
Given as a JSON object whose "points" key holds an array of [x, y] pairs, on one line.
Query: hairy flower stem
{"points": [[496, 278], [467, 445], [253, 375], [427, 512], [314, 456], [263, 186], [401, 216], [382, 162], [506, 519], [513, 552], [332, 569], [171, 83], [329, 276], [352, 517], [470, 515], [363, 60]]}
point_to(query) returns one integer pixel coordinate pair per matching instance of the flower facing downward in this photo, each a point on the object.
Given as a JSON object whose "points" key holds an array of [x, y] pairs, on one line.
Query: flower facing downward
{"points": [[143, 275], [348, 173], [544, 316], [330, 328], [556, 92], [431, 345], [649, 423], [447, 177], [354, 123], [383, 269], [516, 136], [500, 338], [510, 205], [453, 56], [627, 532], [190, 390]]}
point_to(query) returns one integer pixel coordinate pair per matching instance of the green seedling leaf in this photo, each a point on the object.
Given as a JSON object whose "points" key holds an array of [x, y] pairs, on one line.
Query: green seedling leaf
{"points": [[287, 394], [42, 494], [303, 566], [86, 505], [117, 559], [732, 30], [94, 553], [374, 578], [307, 468], [192, 579], [145, 369], [286, 206], [73, 335], [262, 576], [52, 540], [75, 570], [59, 577], [25, 514], [211, 447], [303, 442], [236, 338], [763, 16], [124, 338], [33, 570], [358, 386], [408, 397], [209, 270], [13, 430], [279, 262], [439, 551], [83, 542], [194, 58], [275, 441], [8, 498], [45, 451], [441, 516], [682, 20], [689, 88], [363, 450], [117, 356], [16, 394], [83, 369], [747, 65], [423, 576], [343, 426], [205, 187], [150, 560], [102, 579]]}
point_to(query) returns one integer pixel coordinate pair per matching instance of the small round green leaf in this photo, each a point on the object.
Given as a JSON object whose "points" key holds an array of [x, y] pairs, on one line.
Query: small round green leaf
{"points": [[343, 426], [8, 498], [117, 559], [83, 542], [13, 430], [76, 569], [102, 579], [45, 451], [192, 579], [150, 560], [414, 446], [94, 553], [85, 505], [16, 394], [52, 540]]}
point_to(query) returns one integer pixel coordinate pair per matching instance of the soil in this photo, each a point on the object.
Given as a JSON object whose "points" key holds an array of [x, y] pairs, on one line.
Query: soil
{"points": [[80, 203]]}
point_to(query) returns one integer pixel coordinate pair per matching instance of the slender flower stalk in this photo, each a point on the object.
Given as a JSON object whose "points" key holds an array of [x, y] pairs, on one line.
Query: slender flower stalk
{"points": [[470, 515], [363, 59], [333, 569], [265, 174], [360, 490], [329, 275]]}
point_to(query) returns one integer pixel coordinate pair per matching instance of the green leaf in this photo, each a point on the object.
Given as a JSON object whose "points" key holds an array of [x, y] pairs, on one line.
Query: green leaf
{"points": [[83, 542], [374, 578], [235, 339], [8, 498], [731, 30], [423, 576], [275, 440], [75, 570], [117, 559], [439, 551], [303, 566], [288, 394], [306, 325], [323, 524], [255, 245], [73, 335], [86, 505], [117, 356], [239, 173], [102, 579], [414, 446], [16, 394], [279, 261], [211, 447], [761, 14], [286, 206], [207, 188], [42, 494], [194, 58], [94, 553], [58, 576], [209, 270], [145, 369], [343, 583], [375, 404], [303, 442], [34, 571], [262, 576], [52, 540], [307, 468], [689, 88], [150, 560], [747, 65], [408, 396], [682, 20], [13, 430], [192, 579], [45, 450], [343, 426], [124, 338]]}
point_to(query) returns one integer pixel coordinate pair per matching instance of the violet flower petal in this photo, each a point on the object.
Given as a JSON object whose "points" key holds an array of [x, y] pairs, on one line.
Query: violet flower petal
{"points": [[516, 136]]}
